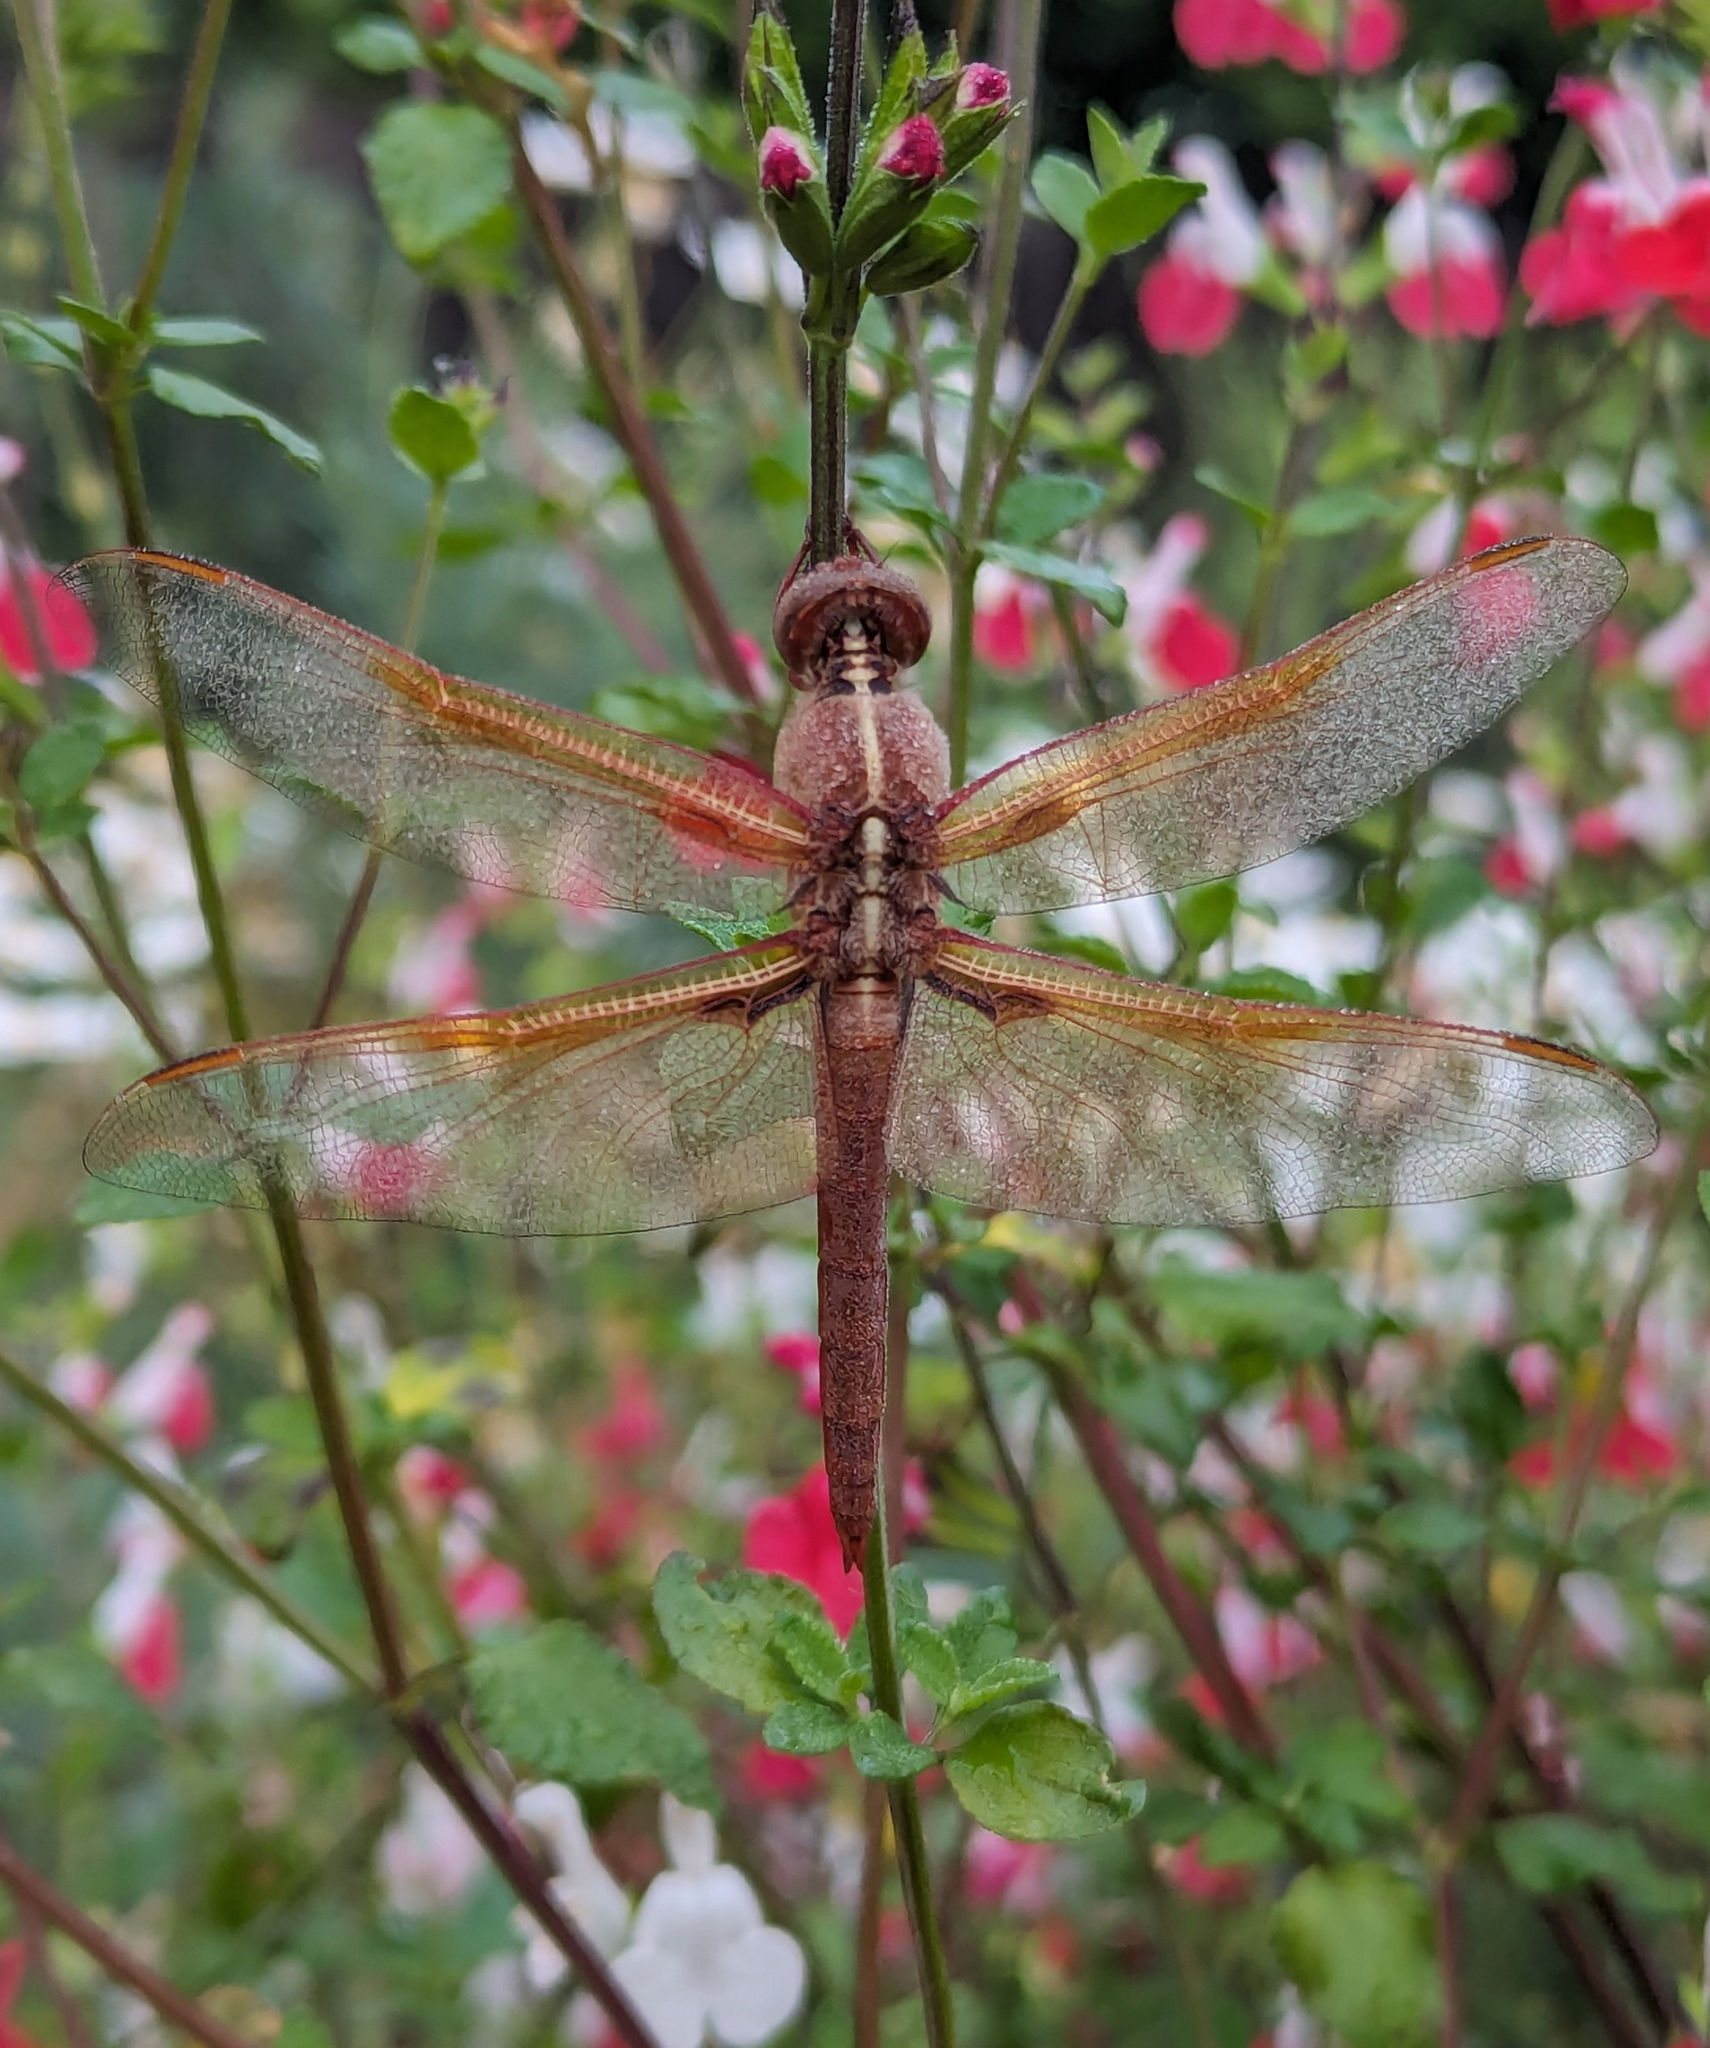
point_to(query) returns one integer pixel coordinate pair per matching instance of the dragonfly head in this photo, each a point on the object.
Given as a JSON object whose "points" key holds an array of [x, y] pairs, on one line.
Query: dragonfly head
{"points": [[816, 606]]}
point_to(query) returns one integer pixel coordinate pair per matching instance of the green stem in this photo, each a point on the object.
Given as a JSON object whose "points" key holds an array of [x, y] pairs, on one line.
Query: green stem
{"points": [[1062, 326], [192, 117], [828, 437], [187, 1515], [999, 282], [47, 91], [343, 1466], [912, 1864]]}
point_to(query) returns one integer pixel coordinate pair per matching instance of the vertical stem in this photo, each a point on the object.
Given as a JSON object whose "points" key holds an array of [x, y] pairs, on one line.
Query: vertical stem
{"points": [[843, 99], [866, 2001], [836, 297], [912, 1864], [1021, 39], [192, 116], [47, 91], [828, 434]]}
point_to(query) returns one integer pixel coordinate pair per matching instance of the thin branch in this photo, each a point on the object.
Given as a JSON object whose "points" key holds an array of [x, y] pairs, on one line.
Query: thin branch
{"points": [[47, 92], [629, 424], [188, 1515], [119, 1963], [192, 117], [867, 1996]]}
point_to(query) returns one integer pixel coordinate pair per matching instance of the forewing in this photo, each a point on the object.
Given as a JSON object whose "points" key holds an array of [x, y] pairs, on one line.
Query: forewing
{"points": [[494, 786], [1034, 1083], [662, 1100], [1225, 778]]}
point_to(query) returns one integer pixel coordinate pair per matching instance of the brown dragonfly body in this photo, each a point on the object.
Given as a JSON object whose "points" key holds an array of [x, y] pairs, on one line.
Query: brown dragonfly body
{"points": [[868, 1035]]}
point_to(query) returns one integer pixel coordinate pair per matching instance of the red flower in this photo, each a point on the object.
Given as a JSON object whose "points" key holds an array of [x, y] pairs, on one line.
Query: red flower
{"points": [[487, 1592], [1223, 1884], [1214, 33], [1567, 15], [152, 1661], [1195, 646], [792, 1533], [36, 609], [915, 151], [1692, 697], [1598, 832], [1184, 310], [981, 86], [550, 23], [798, 1353], [785, 162], [1466, 298], [1506, 869], [766, 1775], [633, 1423], [14, 1959], [1672, 259], [1632, 1455]]}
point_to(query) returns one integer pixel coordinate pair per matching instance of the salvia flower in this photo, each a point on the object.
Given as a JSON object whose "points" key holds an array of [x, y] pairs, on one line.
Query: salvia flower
{"points": [[786, 161], [981, 86], [914, 150]]}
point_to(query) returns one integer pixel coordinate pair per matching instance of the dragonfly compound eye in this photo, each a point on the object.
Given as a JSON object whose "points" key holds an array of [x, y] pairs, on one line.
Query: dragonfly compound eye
{"points": [[814, 604]]}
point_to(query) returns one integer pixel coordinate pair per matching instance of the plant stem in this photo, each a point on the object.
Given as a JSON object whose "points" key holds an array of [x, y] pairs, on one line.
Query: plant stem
{"points": [[433, 521], [629, 425], [192, 117], [828, 436], [1019, 33], [188, 1516], [114, 1958], [866, 2001], [912, 1864], [47, 91], [1062, 326], [843, 100]]}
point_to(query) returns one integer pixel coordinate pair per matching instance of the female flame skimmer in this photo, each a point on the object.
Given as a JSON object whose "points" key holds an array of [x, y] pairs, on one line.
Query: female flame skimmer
{"points": [[868, 1035]]}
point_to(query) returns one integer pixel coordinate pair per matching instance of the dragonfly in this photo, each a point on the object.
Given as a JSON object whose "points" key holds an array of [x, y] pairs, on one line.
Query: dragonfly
{"points": [[867, 1033]]}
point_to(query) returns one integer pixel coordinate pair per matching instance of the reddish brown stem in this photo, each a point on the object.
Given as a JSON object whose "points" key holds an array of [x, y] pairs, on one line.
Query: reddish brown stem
{"points": [[173, 2006], [700, 598], [1102, 1451]]}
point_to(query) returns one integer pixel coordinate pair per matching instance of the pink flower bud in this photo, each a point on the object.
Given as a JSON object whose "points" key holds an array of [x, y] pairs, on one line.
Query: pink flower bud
{"points": [[981, 86], [785, 162], [914, 151]]}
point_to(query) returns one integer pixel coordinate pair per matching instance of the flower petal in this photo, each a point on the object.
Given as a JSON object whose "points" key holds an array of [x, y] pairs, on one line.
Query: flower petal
{"points": [[666, 1991], [757, 1987]]}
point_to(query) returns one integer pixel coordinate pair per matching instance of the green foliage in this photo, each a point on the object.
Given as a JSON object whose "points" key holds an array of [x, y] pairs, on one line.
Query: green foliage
{"points": [[208, 401], [1037, 1774], [438, 173], [1357, 1942], [562, 1704]]}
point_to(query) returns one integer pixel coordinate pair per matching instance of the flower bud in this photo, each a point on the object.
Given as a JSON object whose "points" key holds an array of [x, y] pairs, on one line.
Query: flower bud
{"points": [[974, 115], [914, 150], [786, 161], [931, 251]]}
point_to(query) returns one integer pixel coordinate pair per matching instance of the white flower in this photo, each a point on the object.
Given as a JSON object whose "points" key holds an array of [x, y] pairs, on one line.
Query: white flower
{"points": [[583, 1887], [1220, 233], [703, 1964], [262, 1665], [427, 1858], [1118, 1673]]}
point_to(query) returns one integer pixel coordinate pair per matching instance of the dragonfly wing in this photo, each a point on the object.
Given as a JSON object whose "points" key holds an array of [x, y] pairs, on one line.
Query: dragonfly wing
{"points": [[1228, 777], [1036, 1083], [674, 1097], [493, 786]]}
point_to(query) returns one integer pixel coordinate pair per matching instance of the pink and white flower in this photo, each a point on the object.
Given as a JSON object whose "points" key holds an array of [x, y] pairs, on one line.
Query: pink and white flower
{"points": [[1446, 258], [1298, 33], [1190, 299], [1177, 642]]}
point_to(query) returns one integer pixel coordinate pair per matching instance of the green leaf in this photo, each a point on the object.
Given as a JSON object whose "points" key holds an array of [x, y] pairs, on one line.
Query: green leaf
{"points": [[202, 331], [1429, 1528], [1265, 985], [1109, 148], [806, 1728], [438, 172], [1204, 914], [723, 934], [186, 393], [97, 323], [1356, 1940], [1066, 189], [432, 435], [1300, 1314], [1101, 590], [1133, 213], [982, 1634], [722, 1632], [900, 483], [1548, 1853], [808, 1644], [562, 1704], [1347, 510], [100, 1201], [999, 1682], [1036, 1774], [1243, 1834], [882, 1749], [1346, 1761], [1083, 946], [1218, 480], [1481, 125], [515, 69], [929, 1656], [1704, 1195], [375, 43], [1626, 530], [45, 344], [60, 763], [1038, 507]]}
